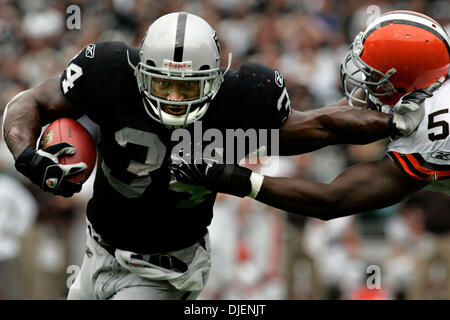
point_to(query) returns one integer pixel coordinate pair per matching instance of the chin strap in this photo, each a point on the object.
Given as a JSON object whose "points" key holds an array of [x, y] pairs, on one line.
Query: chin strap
{"points": [[230, 57], [130, 63]]}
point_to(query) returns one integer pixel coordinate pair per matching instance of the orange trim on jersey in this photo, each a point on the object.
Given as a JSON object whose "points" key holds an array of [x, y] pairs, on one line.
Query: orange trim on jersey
{"points": [[405, 166], [427, 171]]}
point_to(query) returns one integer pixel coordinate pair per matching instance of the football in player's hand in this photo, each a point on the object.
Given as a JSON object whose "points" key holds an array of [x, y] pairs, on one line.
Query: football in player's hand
{"points": [[72, 132]]}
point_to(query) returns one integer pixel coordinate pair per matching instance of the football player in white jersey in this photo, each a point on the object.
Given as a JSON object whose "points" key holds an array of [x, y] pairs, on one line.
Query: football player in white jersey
{"points": [[425, 155], [400, 52]]}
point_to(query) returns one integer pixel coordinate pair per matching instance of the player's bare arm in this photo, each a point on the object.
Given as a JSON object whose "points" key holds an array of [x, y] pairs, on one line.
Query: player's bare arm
{"points": [[325, 126], [24, 118], [366, 186], [310, 130], [29, 111], [340, 124]]}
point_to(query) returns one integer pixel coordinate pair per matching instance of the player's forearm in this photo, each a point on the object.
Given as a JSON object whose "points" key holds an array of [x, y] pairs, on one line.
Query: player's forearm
{"points": [[302, 197], [354, 125], [366, 186], [22, 123], [311, 130]]}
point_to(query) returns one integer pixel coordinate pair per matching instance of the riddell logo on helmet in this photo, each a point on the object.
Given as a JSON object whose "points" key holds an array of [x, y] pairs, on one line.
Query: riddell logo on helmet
{"points": [[177, 65], [185, 65]]}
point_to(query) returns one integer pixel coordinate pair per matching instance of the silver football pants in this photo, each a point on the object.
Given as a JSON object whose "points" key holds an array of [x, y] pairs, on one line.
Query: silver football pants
{"points": [[102, 276]]}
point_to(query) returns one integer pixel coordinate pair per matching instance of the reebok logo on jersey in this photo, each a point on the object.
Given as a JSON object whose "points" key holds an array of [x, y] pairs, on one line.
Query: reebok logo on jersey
{"points": [[279, 79], [90, 51], [442, 155]]}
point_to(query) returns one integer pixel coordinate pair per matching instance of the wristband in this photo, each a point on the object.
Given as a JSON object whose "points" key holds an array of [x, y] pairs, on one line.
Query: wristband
{"points": [[392, 127], [256, 181], [23, 161], [228, 178], [394, 133]]}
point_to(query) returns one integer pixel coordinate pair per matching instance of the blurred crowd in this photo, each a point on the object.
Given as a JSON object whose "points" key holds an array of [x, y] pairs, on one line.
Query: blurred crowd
{"points": [[401, 252]]}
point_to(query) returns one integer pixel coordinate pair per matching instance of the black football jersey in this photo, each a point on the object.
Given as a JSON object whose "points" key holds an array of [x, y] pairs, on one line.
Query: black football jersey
{"points": [[137, 205]]}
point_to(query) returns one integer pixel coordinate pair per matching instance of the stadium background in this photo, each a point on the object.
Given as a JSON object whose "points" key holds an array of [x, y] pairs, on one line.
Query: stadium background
{"points": [[401, 252]]}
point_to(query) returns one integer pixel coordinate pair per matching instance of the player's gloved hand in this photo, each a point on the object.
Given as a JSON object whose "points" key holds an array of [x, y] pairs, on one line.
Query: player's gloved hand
{"points": [[224, 178], [42, 168], [409, 111]]}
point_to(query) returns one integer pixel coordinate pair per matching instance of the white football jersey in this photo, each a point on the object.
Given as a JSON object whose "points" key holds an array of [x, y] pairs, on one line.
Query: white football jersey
{"points": [[425, 154]]}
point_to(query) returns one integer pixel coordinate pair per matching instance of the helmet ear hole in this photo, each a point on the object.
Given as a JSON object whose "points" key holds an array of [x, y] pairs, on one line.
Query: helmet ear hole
{"points": [[401, 90], [205, 67], [151, 63]]}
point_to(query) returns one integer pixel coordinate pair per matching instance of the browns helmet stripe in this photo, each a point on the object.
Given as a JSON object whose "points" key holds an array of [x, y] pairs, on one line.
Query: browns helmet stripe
{"points": [[411, 23], [414, 19], [413, 13]]}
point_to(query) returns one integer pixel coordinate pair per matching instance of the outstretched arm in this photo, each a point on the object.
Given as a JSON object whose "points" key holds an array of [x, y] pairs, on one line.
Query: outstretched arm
{"points": [[311, 130], [339, 124], [363, 187], [366, 186]]}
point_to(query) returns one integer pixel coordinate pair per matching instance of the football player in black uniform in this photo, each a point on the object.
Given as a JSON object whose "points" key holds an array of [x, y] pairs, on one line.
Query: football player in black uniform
{"points": [[147, 235]]}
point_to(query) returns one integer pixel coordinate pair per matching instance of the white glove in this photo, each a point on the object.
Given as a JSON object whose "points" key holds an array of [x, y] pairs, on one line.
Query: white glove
{"points": [[409, 111]]}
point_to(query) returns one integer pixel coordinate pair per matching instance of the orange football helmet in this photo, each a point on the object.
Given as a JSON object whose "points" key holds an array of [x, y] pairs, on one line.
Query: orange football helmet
{"points": [[401, 51]]}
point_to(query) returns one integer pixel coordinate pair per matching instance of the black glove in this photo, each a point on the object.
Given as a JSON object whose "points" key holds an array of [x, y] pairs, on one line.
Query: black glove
{"points": [[42, 168], [224, 178]]}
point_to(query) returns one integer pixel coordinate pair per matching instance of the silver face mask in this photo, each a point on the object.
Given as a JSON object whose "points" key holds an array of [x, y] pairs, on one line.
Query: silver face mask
{"points": [[179, 47]]}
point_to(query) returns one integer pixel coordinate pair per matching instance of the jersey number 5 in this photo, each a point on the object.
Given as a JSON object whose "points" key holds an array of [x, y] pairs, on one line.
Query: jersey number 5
{"points": [[438, 124], [73, 72]]}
